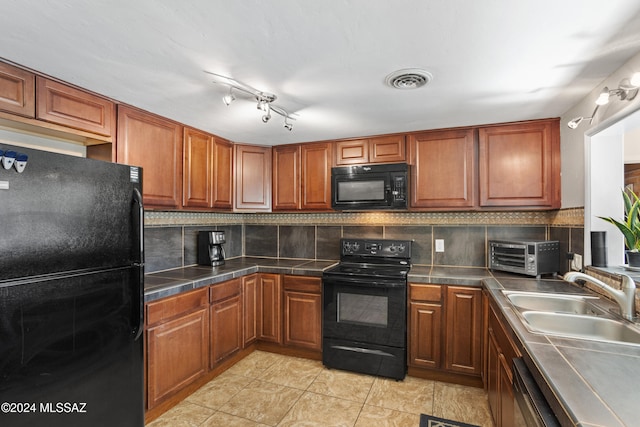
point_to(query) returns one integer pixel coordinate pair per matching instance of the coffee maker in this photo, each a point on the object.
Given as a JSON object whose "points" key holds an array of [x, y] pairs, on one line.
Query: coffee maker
{"points": [[210, 250]]}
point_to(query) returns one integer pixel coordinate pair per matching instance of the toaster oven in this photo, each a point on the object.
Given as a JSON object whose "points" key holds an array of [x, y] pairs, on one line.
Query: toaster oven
{"points": [[532, 258]]}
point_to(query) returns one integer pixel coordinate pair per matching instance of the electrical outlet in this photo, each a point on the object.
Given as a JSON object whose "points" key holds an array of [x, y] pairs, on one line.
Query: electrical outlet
{"points": [[439, 245], [576, 262]]}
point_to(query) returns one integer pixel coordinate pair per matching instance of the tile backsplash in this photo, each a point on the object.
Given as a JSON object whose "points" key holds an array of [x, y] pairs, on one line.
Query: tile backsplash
{"points": [[171, 241]]}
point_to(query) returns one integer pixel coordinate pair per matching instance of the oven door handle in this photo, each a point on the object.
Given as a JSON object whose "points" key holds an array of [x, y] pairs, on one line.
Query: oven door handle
{"points": [[366, 283]]}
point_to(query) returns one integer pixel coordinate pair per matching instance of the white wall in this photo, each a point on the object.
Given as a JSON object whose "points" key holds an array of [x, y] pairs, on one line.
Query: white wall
{"points": [[573, 140]]}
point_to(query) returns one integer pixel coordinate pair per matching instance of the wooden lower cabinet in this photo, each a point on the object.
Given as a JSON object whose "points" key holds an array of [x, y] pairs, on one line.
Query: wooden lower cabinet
{"points": [[463, 349], [445, 328], [425, 346], [498, 377], [226, 320], [270, 321], [177, 344], [303, 312], [250, 309]]}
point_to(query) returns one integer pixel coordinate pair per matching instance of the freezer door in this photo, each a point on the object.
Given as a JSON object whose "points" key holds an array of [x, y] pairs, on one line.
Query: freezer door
{"points": [[66, 213], [71, 351]]}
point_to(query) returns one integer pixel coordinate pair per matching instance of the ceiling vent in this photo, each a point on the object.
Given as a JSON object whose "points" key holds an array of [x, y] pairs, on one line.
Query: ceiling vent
{"points": [[409, 78]]}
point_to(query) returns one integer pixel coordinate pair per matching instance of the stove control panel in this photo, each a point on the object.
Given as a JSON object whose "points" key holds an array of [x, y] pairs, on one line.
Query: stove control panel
{"points": [[376, 248]]}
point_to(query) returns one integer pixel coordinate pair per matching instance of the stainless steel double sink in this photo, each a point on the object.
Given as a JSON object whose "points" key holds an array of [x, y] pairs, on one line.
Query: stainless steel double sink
{"points": [[574, 316]]}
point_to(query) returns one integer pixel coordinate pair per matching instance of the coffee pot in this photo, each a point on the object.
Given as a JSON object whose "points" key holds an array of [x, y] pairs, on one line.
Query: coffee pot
{"points": [[210, 250]]}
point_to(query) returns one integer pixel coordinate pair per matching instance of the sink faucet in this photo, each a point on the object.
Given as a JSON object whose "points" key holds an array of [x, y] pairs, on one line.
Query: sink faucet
{"points": [[625, 298]]}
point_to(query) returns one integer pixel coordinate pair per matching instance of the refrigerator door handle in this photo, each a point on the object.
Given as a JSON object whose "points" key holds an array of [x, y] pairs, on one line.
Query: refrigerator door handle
{"points": [[138, 222], [138, 262]]}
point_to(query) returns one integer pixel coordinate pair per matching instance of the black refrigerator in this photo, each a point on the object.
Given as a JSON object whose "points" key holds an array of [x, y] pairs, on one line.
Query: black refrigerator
{"points": [[71, 291]]}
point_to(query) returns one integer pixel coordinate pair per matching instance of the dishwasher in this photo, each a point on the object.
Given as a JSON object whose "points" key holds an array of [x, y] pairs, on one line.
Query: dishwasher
{"points": [[531, 408]]}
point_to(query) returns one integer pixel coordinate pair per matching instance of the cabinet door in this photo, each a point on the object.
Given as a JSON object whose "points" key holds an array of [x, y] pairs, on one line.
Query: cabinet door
{"points": [[316, 176], [270, 323], [520, 165], [253, 177], [425, 335], [464, 330], [387, 149], [17, 91], [302, 319], [352, 152], [506, 393], [493, 380], [198, 169], [226, 328], [250, 309], [444, 169], [155, 144], [223, 174], [286, 177], [177, 354], [68, 106]]}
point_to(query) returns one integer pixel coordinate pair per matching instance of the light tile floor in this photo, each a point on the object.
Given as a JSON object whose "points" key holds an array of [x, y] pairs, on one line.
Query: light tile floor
{"points": [[267, 389]]}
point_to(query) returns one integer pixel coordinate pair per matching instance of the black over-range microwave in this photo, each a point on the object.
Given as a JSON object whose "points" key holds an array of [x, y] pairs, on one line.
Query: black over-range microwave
{"points": [[358, 187]]}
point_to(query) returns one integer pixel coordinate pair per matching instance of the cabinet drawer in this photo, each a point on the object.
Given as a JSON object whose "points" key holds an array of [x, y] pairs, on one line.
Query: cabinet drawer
{"points": [[224, 290], [425, 292], [68, 106], [303, 284], [167, 308]]}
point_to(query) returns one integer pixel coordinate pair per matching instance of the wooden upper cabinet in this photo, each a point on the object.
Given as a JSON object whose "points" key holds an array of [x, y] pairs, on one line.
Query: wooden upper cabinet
{"points": [[443, 173], [17, 91], [68, 106], [384, 149], [302, 176], [520, 165], [253, 178], [286, 177], [155, 144], [387, 149], [197, 169], [223, 173], [352, 152], [316, 176]]}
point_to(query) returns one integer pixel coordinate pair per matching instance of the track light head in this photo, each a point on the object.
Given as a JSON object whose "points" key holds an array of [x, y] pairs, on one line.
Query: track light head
{"points": [[228, 99], [603, 98], [266, 118], [288, 126], [573, 124]]}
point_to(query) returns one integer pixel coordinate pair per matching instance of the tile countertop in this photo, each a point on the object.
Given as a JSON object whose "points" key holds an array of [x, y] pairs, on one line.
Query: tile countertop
{"points": [[586, 382], [171, 282]]}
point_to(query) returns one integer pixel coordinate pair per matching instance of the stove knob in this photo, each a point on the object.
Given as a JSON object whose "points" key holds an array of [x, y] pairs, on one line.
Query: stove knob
{"points": [[401, 248], [392, 248]]}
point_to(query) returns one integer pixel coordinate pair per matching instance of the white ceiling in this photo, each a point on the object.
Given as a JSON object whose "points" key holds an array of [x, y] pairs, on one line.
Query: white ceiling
{"points": [[492, 60]]}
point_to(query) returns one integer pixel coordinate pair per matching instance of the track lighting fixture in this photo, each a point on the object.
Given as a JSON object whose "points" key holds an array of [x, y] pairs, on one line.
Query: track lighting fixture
{"points": [[627, 90], [264, 99]]}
